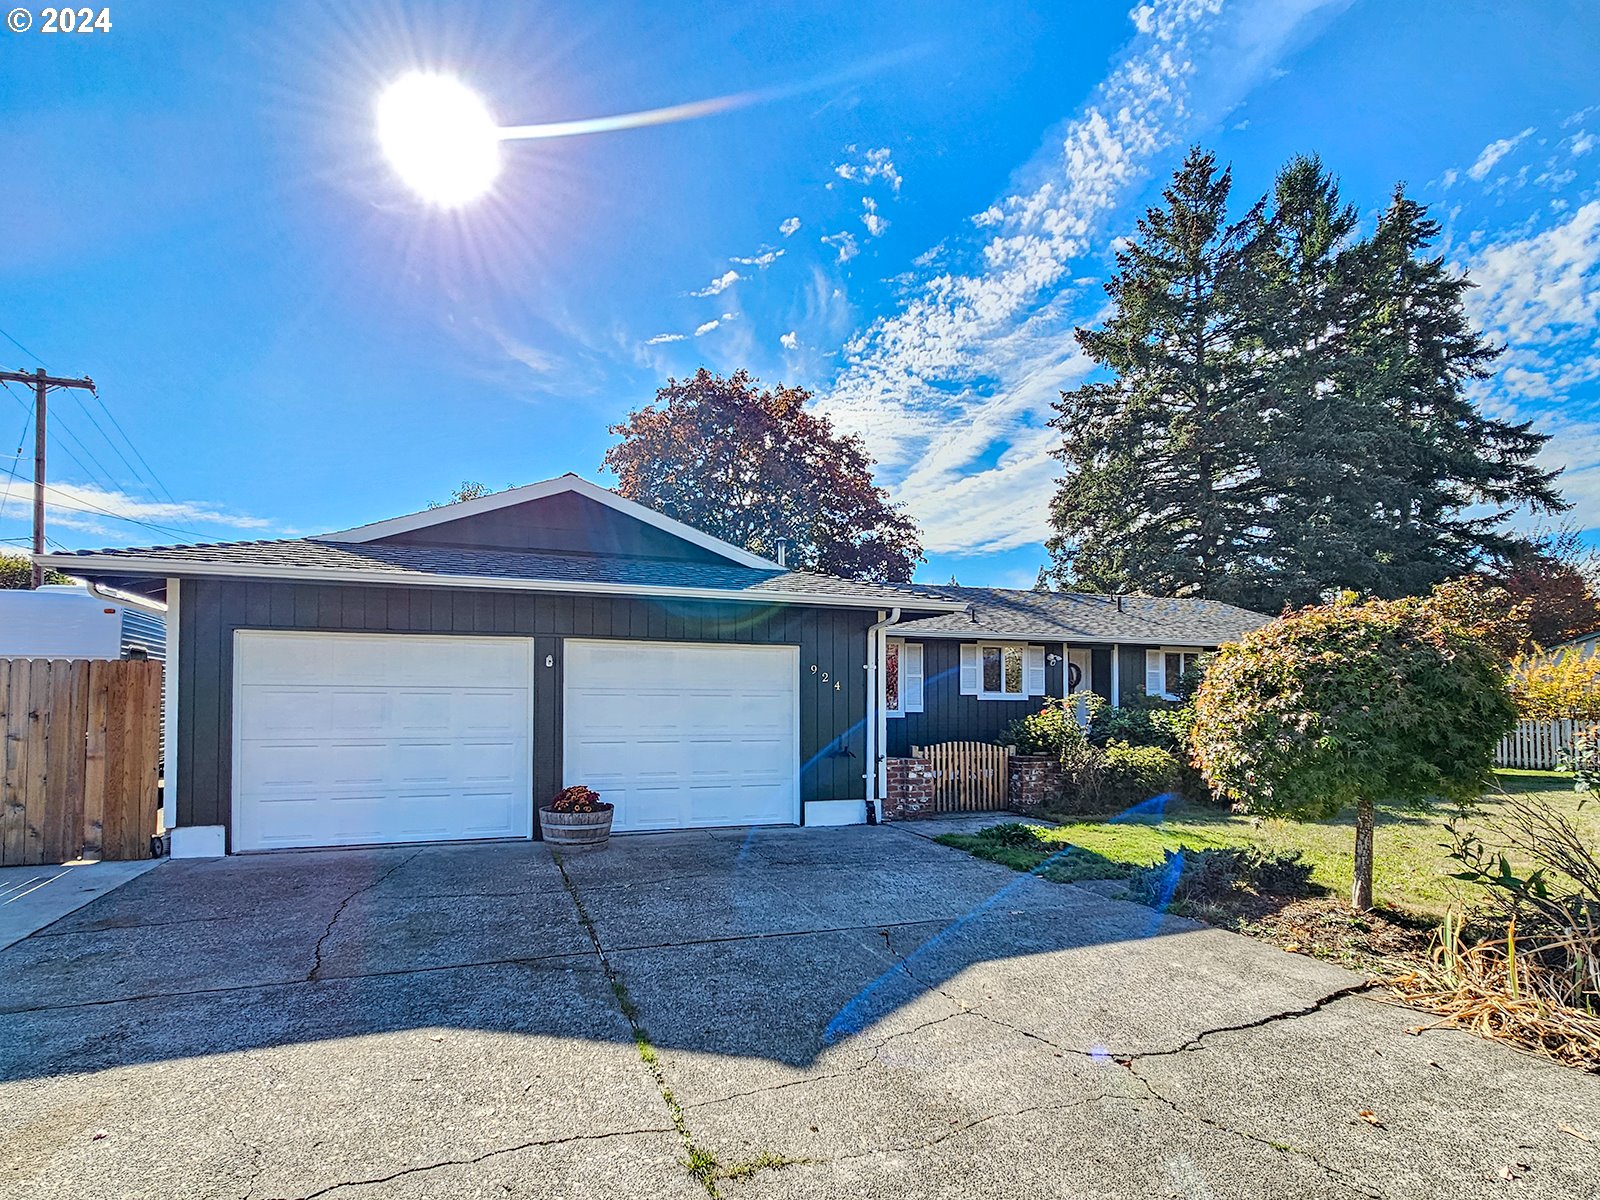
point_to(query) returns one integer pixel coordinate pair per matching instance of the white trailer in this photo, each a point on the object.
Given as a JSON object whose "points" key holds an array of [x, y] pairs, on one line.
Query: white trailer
{"points": [[67, 620]]}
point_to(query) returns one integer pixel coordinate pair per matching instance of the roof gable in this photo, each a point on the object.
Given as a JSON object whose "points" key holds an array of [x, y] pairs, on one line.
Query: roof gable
{"points": [[568, 515]]}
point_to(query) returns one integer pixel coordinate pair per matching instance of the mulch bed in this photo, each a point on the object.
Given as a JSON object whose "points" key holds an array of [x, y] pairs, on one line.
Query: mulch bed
{"points": [[1326, 927]]}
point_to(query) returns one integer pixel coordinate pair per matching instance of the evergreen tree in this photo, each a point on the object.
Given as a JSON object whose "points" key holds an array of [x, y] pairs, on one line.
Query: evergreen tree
{"points": [[1288, 410], [1042, 584], [1162, 487]]}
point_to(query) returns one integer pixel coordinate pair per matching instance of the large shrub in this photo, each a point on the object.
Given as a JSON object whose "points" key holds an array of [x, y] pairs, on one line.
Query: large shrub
{"points": [[1351, 705], [1557, 685], [1134, 774]]}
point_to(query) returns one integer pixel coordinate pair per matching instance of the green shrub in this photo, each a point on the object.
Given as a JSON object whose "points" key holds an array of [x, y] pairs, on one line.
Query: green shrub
{"points": [[1206, 878], [1133, 774], [1012, 833]]}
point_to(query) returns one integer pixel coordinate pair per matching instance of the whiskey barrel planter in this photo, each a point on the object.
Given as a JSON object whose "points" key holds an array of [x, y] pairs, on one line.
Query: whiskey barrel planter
{"points": [[576, 828]]}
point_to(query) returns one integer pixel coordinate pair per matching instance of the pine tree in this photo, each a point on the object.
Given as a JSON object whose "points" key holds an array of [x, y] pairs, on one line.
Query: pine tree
{"points": [[1162, 484], [1042, 584]]}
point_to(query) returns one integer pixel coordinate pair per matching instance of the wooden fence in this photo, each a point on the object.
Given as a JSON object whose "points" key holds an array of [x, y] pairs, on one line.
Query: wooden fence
{"points": [[968, 776], [80, 761], [1538, 745]]}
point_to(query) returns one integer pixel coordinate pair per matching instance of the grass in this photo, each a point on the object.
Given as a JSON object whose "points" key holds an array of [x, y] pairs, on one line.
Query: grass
{"points": [[1411, 872]]}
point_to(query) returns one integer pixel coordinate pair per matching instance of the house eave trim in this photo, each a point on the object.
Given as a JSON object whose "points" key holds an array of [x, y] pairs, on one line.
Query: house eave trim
{"points": [[113, 564], [538, 491]]}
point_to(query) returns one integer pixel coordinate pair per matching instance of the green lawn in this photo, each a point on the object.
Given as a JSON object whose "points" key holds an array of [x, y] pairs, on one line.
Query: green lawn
{"points": [[1411, 873]]}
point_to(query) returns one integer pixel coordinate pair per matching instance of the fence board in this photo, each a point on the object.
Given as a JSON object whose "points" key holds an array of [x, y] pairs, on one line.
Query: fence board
{"points": [[1539, 745], [968, 776], [79, 758]]}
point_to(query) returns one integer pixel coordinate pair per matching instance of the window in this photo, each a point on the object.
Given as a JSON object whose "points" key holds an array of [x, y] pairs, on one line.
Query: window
{"points": [[903, 677], [1002, 671], [1165, 668]]}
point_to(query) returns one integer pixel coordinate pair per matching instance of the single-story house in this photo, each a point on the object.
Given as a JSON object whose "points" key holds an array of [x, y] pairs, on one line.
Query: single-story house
{"points": [[965, 676], [436, 676]]}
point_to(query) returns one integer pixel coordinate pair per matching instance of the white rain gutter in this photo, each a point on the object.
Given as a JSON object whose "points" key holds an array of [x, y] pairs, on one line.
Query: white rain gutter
{"points": [[115, 596], [877, 699]]}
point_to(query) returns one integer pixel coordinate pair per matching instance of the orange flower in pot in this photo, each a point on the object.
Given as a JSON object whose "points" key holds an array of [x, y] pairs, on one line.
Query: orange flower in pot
{"points": [[576, 817]]}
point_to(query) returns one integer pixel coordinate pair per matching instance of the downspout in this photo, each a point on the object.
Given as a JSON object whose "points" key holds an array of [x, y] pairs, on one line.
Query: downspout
{"points": [[877, 719]]}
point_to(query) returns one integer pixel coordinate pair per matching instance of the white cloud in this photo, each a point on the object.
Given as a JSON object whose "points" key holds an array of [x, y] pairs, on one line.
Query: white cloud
{"points": [[844, 244], [870, 218], [760, 261], [1582, 142], [953, 391], [720, 284], [1449, 177], [1493, 153], [661, 339], [869, 166], [789, 226], [789, 341], [104, 511], [702, 330]]}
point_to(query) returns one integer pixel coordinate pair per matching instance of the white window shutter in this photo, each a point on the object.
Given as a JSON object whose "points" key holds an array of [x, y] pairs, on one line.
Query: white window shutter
{"points": [[1035, 670], [1155, 673], [969, 669], [911, 677]]}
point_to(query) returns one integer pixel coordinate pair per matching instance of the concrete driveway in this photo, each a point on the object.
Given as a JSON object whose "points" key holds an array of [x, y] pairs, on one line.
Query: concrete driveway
{"points": [[809, 1013]]}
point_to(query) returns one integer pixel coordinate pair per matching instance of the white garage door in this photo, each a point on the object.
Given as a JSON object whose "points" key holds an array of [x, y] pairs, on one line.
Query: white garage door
{"points": [[685, 734], [354, 739]]}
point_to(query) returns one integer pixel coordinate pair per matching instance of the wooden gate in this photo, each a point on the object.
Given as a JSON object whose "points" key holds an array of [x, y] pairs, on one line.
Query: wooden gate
{"points": [[80, 761], [968, 776]]}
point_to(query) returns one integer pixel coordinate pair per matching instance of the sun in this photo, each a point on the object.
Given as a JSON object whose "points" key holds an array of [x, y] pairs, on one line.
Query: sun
{"points": [[440, 137]]}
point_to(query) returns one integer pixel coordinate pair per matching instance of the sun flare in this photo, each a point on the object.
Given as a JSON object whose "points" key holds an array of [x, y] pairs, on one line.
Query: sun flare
{"points": [[440, 137]]}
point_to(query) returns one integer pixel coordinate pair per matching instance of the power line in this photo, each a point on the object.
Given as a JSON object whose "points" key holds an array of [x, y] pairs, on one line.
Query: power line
{"points": [[15, 463], [23, 348]]}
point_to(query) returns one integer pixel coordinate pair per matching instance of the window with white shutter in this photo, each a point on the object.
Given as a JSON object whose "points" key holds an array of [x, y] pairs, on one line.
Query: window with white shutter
{"points": [[1001, 670], [1035, 670], [969, 669], [1165, 668], [903, 677]]}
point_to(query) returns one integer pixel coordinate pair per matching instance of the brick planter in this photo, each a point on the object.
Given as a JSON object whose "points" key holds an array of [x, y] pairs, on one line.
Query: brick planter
{"points": [[910, 791], [1036, 781]]}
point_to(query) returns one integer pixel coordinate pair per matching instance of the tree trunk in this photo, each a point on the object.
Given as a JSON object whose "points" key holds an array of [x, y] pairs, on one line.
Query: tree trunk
{"points": [[1361, 884]]}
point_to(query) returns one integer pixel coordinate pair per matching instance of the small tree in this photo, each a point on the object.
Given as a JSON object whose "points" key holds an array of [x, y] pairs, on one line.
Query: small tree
{"points": [[1351, 705], [16, 572], [1563, 685]]}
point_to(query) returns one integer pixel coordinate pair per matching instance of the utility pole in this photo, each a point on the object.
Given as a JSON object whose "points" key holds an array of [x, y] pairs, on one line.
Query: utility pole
{"points": [[42, 384]]}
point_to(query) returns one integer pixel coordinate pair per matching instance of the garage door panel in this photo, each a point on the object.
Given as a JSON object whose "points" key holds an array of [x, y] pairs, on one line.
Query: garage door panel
{"points": [[684, 734], [395, 738]]}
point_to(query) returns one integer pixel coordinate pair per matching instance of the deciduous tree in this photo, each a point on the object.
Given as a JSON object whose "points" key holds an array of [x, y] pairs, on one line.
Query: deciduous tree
{"points": [[751, 465], [1351, 705]]}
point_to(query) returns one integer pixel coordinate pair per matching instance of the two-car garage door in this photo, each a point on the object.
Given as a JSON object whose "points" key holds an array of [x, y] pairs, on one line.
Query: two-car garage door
{"points": [[352, 739]]}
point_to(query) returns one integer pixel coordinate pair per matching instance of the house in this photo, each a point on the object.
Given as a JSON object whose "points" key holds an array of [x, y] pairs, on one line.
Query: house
{"points": [[430, 677], [965, 676], [1583, 646]]}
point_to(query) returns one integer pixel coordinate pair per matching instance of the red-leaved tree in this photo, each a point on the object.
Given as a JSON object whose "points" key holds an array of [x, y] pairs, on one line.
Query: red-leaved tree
{"points": [[750, 464]]}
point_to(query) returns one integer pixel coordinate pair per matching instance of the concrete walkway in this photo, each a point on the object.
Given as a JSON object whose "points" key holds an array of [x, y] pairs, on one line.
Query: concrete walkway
{"points": [[853, 1012], [33, 897]]}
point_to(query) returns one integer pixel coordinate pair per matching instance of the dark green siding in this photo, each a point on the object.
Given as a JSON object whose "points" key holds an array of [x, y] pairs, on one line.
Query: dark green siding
{"points": [[948, 716], [831, 640]]}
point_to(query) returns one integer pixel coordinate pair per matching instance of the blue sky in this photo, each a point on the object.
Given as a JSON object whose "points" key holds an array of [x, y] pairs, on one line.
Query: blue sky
{"points": [[195, 213]]}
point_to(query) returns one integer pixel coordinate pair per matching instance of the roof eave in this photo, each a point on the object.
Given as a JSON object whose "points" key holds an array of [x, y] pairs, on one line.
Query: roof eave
{"points": [[107, 564], [981, 633]]}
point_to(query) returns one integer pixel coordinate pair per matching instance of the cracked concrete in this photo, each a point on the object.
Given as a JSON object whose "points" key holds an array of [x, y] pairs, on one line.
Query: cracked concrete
{"points": [[883, 1015]]}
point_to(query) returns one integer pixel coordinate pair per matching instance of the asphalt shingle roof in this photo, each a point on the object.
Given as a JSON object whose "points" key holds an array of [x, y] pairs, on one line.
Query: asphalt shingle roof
{"points": [[329, 559], [1069, 616]]}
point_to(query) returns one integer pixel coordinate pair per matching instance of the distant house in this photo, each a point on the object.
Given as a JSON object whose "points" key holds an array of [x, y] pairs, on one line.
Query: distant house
{"points": [[1586, 645], [966, 676]]}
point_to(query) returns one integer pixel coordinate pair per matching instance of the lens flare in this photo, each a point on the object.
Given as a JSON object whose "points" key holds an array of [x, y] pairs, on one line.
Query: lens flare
{"points": [[440, 137]]}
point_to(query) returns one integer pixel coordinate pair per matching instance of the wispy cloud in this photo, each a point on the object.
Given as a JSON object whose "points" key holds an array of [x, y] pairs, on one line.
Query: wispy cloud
{"points": [[953, 391], [844, 245], [661, 339], [720, 284], [702, 330], [101, 511], [760, 261], [789, 226], [870, 218], [1493, 153], [869, 166]]}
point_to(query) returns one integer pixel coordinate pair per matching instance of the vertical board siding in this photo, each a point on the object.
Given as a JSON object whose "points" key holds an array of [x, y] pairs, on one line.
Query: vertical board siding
{"points": [[948, 716], [833, 640], [1540, 745], [81, 757]]}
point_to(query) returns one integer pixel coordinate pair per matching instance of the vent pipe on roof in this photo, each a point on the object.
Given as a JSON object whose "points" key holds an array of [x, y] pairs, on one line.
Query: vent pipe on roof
{"points": [[783, 552], [1119, 601]]}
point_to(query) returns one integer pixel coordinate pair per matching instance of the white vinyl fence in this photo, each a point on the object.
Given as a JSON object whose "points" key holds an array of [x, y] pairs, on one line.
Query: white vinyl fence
{"points": [[1538, 745]]}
